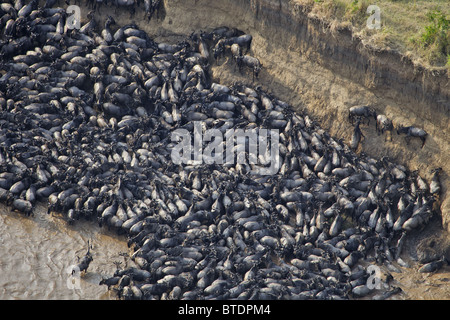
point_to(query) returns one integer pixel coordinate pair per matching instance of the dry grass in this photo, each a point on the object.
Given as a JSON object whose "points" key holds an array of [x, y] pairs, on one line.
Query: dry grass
{"points": [[402, 24]]}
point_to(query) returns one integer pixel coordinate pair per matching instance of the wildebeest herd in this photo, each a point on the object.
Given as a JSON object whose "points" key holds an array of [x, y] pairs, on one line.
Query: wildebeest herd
{"points": [[383, 123], [85, 124]]}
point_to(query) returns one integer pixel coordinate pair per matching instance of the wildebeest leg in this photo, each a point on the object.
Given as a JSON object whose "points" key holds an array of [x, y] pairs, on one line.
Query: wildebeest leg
{"points": [[239, 64], [423, 141], [152, 11], [379, 128], [156, 8], [257, 72], [407, 138], [363, 118]]}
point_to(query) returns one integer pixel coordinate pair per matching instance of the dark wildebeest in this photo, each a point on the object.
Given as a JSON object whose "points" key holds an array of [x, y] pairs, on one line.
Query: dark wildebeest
{"points": [[219, 49], [235, 52], [384, 124], [96, 4], [361, 112], [244, 41], [130, 4], [22, 205], [84, 263], [435, 184], [356, 137], [413, 132], [150, 7], [250, 62]]}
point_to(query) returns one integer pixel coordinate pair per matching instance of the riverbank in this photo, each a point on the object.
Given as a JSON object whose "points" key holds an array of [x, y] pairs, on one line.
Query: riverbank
{"points": [[417, 29]]}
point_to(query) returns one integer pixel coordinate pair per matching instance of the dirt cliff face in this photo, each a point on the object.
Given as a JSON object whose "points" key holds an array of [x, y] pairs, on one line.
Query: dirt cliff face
{"points": [[324, 70]]}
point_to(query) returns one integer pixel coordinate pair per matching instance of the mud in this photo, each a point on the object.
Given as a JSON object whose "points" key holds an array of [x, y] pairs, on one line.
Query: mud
{"points": [[37, 254]]}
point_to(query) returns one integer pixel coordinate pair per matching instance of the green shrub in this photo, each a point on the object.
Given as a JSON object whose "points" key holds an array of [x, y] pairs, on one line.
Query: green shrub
{"points": [[437, 32], [358, 7], [356, 11], [436, 37]]}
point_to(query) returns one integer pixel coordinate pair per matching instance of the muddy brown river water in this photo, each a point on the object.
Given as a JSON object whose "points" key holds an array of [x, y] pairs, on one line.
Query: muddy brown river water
{"points": [[36, 255]]}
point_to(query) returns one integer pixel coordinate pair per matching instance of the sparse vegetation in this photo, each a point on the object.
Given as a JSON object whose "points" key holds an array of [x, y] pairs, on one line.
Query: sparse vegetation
{"points": [[437, 36], [418, 28]]}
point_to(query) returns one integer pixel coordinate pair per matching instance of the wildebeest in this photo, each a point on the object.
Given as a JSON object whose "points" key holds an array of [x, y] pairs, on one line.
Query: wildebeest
{"points": [[150, 6], [84, 263], [361, 112], [250, 62], [106, 32], [243, 41], [235, 51], [384, 124], [435, 184], [356, 137], [130, 4], [23, 206], [112, 281], [219, 49], [413, 132]]}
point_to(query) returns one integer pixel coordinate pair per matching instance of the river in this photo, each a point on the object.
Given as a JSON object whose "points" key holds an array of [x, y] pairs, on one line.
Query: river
{"points": [[37, 253]]}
